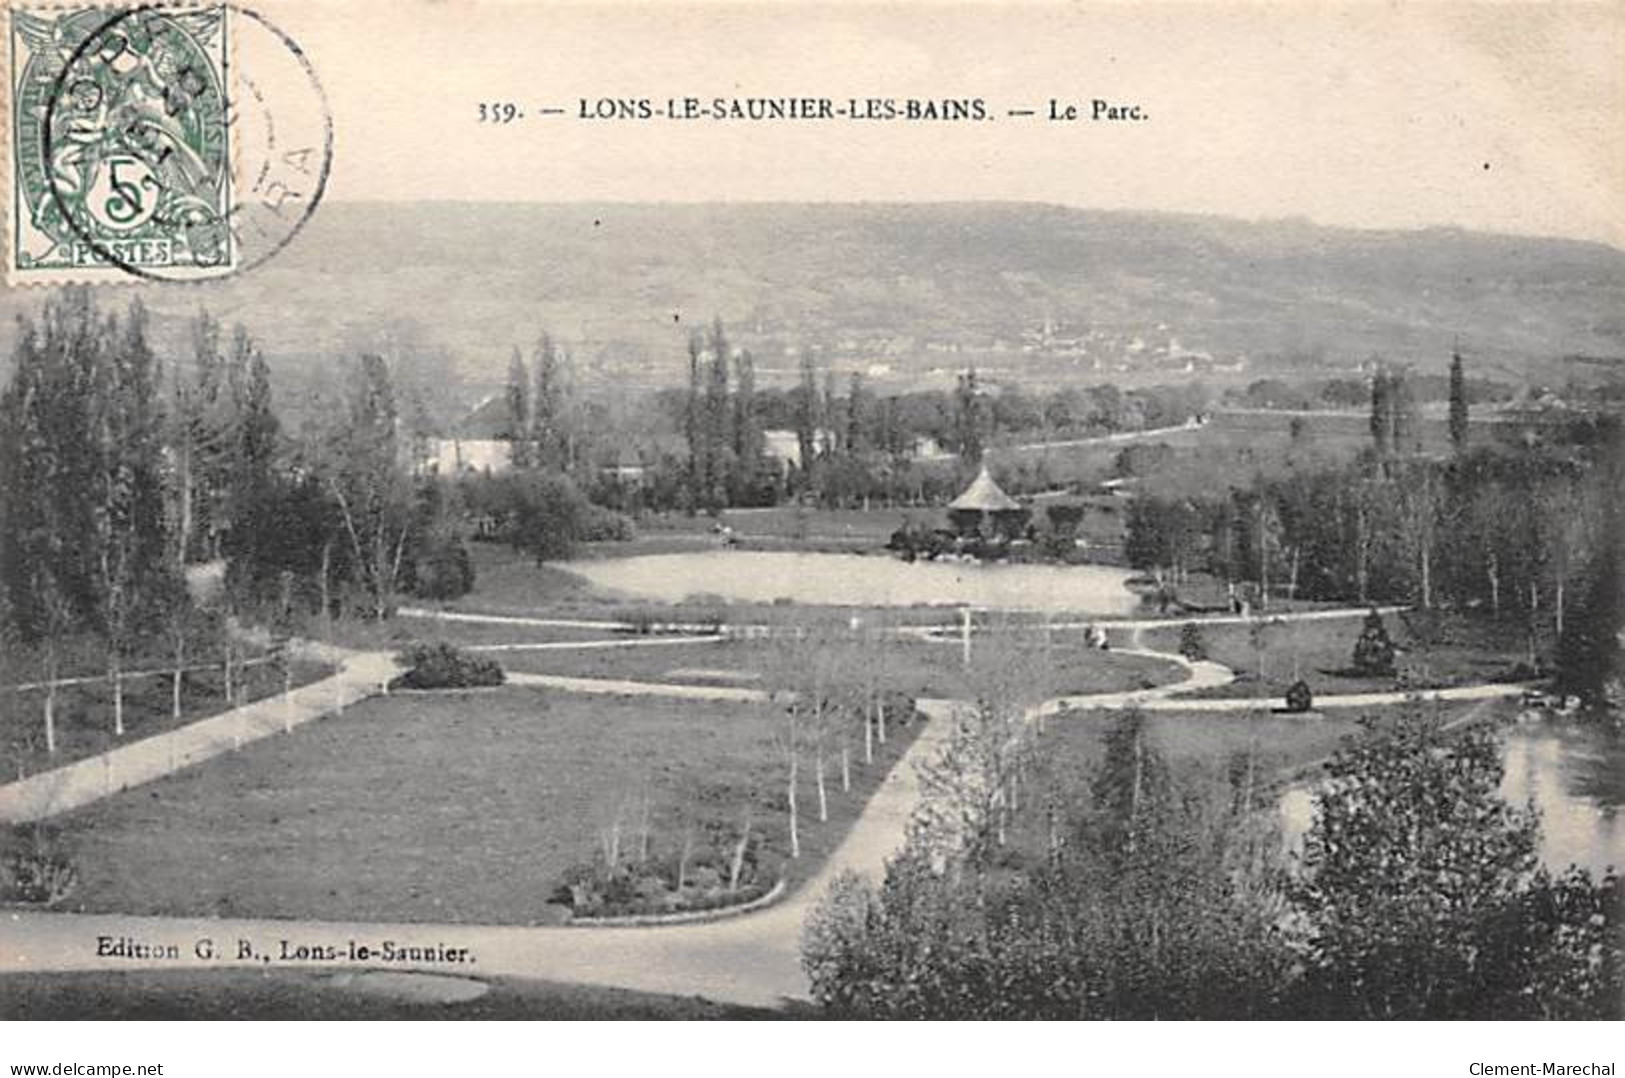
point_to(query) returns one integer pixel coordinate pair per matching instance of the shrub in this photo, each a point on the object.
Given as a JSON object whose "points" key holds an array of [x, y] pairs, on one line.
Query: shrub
{"points": [[445, 570], [36, 867], [1374, 651], [442, 666], [597, 524], [1191, 644], [642, 622], [710, 620], [1298, 696]]}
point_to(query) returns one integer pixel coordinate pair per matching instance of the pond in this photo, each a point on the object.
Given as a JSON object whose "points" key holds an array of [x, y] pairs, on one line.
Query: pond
{"points": [[856, 580], [1574, 774]]}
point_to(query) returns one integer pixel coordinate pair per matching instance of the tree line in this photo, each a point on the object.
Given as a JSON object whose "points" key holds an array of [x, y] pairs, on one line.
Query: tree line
{"points": [[151, 497], [854, 445], [1139, 887], [1530, 530]]}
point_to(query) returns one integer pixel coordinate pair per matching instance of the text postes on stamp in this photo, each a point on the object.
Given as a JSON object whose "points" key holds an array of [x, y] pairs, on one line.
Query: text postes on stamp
{"points": [[121, 149], [158, 142]]}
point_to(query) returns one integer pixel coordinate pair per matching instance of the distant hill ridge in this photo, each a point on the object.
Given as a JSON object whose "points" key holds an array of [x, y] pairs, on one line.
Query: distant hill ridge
{"points": [[623, 283]]}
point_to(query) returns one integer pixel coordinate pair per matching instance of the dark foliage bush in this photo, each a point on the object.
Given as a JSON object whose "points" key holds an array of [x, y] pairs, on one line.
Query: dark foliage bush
{"points": [[36, 867], [1298, 696], [444, 570], [442, 666], [597, 524], [1374, 652], [1191, 644], [637, 890]]}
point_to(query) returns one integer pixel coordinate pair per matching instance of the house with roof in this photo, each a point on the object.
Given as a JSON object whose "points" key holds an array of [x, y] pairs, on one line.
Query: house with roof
{"points": [[482, 441]]}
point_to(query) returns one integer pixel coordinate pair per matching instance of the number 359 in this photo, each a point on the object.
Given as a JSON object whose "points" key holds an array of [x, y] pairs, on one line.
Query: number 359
{"points": [[499, 112]]}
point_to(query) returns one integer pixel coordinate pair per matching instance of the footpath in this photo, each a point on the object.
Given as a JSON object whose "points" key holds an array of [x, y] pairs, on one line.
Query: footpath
{"points": [[71, 786]]}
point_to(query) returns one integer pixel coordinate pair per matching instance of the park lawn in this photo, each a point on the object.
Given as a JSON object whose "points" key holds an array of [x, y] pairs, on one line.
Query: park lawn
{"points": [[84, 713], [464, 808], [792, 522], [1284, 743], [915, 667], [301, 995], [402, 631], [476, 634], [1468, 649], [1291, 747]]}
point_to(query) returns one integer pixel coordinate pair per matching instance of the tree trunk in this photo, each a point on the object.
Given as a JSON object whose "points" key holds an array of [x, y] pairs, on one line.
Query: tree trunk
{"points": [[1362, 542], [880, 720], [643, 831], [795, 822], [287, 694], [1054, 823], [823, 796], [1134, 790], [1427, 575], [846, 766], [116, 676], [1534, 610], [326, 595], [869, 731], [1494, 571], [1558, 606], [1263, 560], [230, 682], [184, 539], [50, 698], [611, 838], [738, 864], [682, 858], [175, 683]]}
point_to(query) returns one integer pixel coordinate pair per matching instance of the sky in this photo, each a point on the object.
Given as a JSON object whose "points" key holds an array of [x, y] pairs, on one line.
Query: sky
{"points": [[1497, 116]]}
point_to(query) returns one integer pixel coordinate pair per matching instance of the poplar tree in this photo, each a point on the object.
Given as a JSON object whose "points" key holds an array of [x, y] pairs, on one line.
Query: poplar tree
{"points": [[807, 412], [716, 424], [548, 431], [747, 427], [366, 481], [692, 424], [253, 496], [1458, 404], [519, 417]]}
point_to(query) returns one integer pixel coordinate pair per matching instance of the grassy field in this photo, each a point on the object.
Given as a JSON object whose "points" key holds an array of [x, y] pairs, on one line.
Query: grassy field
{"points": [[1283, 743], [84, 713], [793, 522], [1287, 747], [463, 808], [1463, 650], [919, 668], [297, 995], [478, 633]]}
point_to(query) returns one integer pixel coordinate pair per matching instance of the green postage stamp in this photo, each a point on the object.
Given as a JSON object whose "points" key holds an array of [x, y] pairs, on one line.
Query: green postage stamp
{"points": [[120, 161]]}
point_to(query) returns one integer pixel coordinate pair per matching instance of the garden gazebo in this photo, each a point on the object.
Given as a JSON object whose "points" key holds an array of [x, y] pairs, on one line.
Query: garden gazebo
{"points": [[985, 502]]}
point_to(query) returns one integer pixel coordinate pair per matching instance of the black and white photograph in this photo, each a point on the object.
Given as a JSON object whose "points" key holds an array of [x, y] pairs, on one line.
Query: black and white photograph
{"points": [[807, 511]]}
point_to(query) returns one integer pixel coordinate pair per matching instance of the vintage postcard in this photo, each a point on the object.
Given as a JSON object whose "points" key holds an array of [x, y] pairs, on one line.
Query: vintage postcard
{"points": [[705, 510]]}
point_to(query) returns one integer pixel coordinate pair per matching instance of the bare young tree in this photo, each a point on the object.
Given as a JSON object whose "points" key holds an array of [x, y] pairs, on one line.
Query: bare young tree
{"points": [[736, 864]]}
